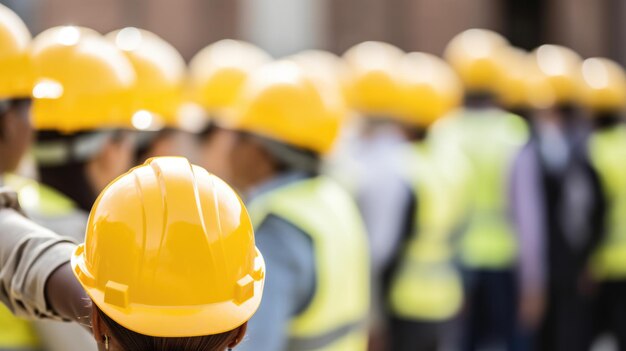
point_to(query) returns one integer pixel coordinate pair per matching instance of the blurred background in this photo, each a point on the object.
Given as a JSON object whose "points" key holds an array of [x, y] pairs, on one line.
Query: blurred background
{"points": [[591, 28], [283, 27]]}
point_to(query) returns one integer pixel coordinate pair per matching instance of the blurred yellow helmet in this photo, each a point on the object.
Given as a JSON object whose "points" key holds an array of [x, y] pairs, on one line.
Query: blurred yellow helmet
{"points": [[369, 81], [324, 69], [281, 103], [605, 83], [83, 81], [562, 70], [218, 72], [169, 251], [15, 67], [474, 55], [160, 71], [523, 85], [429, 88]]}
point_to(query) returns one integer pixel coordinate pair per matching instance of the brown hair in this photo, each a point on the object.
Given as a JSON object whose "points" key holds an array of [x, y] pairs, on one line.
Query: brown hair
{"points": [[130, 340]]}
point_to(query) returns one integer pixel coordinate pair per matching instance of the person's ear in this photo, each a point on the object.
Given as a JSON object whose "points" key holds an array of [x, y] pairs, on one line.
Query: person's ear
{"points": [[239, 338]]}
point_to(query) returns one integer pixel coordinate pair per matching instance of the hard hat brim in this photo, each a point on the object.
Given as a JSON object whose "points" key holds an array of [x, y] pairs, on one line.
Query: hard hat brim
{"points": [[171, 321]]}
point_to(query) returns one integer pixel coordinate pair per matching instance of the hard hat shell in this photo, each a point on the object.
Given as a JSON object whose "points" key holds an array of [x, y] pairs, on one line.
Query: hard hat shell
{"points": [[218, 72], [429, 88], [369, 80], [83, 82], [523, 85], [562, 70], [160, 71], [15, 66], [324, 69], [605, 83], [169, 251], [474, 55], [279, 102]]}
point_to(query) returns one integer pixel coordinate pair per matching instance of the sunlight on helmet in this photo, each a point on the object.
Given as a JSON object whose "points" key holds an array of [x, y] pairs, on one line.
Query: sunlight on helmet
{"points": [[595, 74], [69, 36], [145, 120], [128, 39], [551, 60], [47, 89]]}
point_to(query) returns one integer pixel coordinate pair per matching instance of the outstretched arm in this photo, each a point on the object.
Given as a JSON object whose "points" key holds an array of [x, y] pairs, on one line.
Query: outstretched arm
{"points": [[35, 277]]}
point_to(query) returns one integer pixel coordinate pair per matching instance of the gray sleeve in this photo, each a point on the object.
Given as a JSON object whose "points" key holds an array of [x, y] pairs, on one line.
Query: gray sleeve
{"points": [[527, 209], [289, 284], [29, 254]]}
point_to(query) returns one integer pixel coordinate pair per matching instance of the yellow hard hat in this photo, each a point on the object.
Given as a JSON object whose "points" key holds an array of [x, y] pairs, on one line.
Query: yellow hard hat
{"points": [[605, 84], [281, 103], [218, 72], [169, 251], [429, 88], [523, 85], [15, 68], [160, 71], [369, 81], [474, 55], [83, 82], [324, 69], [562, 69]]}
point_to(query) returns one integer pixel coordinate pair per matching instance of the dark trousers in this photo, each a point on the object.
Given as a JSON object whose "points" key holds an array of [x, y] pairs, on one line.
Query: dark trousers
{"points": [[406, 335], [610, 313], [489, 317], [568, 322]]}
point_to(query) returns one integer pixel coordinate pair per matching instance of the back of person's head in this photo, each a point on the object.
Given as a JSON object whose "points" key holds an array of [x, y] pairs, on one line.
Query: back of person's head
{"points": [[126, 339], [169, 260]]}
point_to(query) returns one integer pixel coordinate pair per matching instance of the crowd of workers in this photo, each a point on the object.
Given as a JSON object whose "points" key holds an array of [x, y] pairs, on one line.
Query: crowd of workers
{"points": [[398, 201]]}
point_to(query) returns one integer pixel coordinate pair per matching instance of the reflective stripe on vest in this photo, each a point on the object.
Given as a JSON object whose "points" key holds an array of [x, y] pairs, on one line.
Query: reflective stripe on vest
{"points": [[334, 320], [608, 155], [426, 285], [490, 140]]}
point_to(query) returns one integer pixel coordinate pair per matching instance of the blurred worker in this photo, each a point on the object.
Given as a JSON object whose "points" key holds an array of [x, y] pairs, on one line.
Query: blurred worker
{"points": [[558, 209], [489, 138], [216, 76], [168, 263], [82, 91], [425, 292], [370, 164], [606, 98], [310, 231], [16, 136], [164, 129]]}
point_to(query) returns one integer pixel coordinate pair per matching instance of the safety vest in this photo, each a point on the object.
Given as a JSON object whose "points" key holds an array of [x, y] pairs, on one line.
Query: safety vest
{"points": [[490, 140], [50, 208], [335, 319], [16, 333], [426, 285], [607, 149]]}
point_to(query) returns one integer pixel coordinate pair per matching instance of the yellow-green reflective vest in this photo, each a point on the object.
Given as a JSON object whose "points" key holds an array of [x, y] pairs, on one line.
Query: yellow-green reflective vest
{"points": [[608, 156], [16, 333], [427, 286], [40, 198], [490, 140], [335, 319]]}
